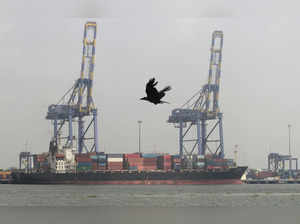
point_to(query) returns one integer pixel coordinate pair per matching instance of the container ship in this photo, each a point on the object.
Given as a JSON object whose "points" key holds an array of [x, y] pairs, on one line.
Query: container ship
{"points": [[65, 163], [134, 168]]}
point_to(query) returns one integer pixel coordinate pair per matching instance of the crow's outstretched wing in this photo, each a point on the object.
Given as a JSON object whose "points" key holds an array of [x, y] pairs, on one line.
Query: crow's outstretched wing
{"points": [[162, 92], [151, 91]]}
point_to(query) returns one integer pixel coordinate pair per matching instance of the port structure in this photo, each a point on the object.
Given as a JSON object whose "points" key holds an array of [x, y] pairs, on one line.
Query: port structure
{"points": [[25, 161], [77, 103], [276, 162], [202, 111]]}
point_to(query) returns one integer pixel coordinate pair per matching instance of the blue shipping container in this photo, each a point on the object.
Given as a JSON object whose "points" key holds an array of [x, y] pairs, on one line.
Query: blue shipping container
{"points": [[114, 155], [84, 164], [96, 157], [132, 168], [149, 155]]}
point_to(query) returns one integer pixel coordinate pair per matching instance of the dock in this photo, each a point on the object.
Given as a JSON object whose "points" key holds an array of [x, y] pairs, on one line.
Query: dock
{"points": [[274, 181]]}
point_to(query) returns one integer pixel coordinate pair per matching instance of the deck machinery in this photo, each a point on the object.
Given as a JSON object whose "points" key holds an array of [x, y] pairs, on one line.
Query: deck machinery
{"points": [[202, 111], [77, 104]]}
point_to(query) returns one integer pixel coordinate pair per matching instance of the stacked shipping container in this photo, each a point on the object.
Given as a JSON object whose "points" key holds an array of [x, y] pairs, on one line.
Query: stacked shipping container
{"points": [[99, 161], [265, 174], [176, 162], [115, 161], [149, 162], [133, 161], [164, 162], [84, 162], [139, 162], [198, 161], [218, 163], [4, 175], [42, 161]]}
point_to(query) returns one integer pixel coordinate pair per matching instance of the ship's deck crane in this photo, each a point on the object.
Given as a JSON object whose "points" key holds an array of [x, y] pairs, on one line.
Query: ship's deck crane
{"points": [[202, 109], [79, 103]]}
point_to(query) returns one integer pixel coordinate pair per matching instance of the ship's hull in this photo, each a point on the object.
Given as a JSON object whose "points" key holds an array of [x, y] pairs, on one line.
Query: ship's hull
{"points": [[229, 176]]}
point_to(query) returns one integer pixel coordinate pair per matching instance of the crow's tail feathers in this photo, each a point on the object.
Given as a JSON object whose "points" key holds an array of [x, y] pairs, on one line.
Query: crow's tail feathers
{"points": [[167, 88]]}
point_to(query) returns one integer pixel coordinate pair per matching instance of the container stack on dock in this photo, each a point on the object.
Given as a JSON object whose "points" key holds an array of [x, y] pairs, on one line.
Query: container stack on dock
{"points": [[264, 174], [5, 177], [115, 161]]}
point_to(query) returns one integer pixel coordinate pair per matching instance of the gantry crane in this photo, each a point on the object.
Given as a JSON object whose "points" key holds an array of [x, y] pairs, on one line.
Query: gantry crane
{"points": [[276, 162], [77, 104], [202, 111]]}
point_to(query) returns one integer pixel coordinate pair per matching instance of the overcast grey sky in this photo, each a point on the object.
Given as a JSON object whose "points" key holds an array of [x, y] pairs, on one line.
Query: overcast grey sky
{"points": [[40, 56]]}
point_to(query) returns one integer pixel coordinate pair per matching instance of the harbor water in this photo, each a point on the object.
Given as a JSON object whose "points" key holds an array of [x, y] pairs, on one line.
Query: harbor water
{"points": [[274, 203]]}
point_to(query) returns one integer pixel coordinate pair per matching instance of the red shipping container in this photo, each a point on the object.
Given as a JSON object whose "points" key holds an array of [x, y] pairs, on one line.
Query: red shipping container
{"points": [[60, 156], [94, 166], [83, 159], [149, 159], [147, 168], [115, 165], [81, 155], [41, 159], [132, 155], [134, 160], [164, 162], [264, 174], [216, 167]]}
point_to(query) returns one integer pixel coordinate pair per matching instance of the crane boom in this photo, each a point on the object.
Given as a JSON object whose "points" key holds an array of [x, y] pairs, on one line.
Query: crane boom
{"points": [[215, 70], [87, 66]]}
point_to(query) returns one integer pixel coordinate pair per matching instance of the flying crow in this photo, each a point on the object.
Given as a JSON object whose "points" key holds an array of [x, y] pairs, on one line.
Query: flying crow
{"points": [[153, 95]]}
